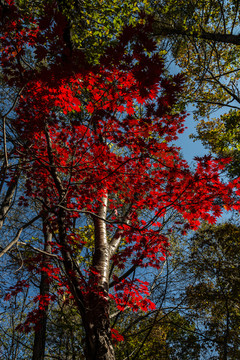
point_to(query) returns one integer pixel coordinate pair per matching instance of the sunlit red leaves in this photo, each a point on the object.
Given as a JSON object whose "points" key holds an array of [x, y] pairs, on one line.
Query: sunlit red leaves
{"points": [[132, 294], [143, 248], [116, 336], [33, 320]]}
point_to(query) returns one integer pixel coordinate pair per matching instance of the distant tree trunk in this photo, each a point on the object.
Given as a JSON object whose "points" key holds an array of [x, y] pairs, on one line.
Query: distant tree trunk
{"points": [[40, 332], [7, 201], [226, 335]]}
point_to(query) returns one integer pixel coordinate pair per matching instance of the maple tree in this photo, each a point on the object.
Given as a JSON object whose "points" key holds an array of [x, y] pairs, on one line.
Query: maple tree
{"points": [[93, 148]]}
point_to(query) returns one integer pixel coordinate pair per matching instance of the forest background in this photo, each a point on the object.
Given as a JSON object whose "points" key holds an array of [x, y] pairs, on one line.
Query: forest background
{"points": [[195, 286]]}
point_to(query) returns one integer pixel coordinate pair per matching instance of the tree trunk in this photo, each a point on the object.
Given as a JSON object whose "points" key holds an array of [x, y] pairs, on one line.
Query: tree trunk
{"points": [[97, 324], [7, 201], [93, 306], [40, 331], [98, 332]]}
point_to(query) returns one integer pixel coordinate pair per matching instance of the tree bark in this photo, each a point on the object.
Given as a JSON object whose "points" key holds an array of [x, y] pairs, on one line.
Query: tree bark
{"points": [[40, 332], [98, 330]]}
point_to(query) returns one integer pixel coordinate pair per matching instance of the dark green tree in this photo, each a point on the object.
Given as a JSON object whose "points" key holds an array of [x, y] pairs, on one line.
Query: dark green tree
{"points": [[213, 297]]}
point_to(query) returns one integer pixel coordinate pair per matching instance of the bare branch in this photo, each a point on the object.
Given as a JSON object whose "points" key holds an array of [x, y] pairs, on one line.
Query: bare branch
{"points": [[15, 240]]}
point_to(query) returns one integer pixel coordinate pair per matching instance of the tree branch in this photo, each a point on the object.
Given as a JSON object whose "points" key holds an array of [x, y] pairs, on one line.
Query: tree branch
{"points": [[15, 240], [163, 30]]}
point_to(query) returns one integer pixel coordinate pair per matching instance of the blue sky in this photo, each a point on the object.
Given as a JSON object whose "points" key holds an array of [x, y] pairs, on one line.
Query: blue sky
{"points": [[190, 148]]}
